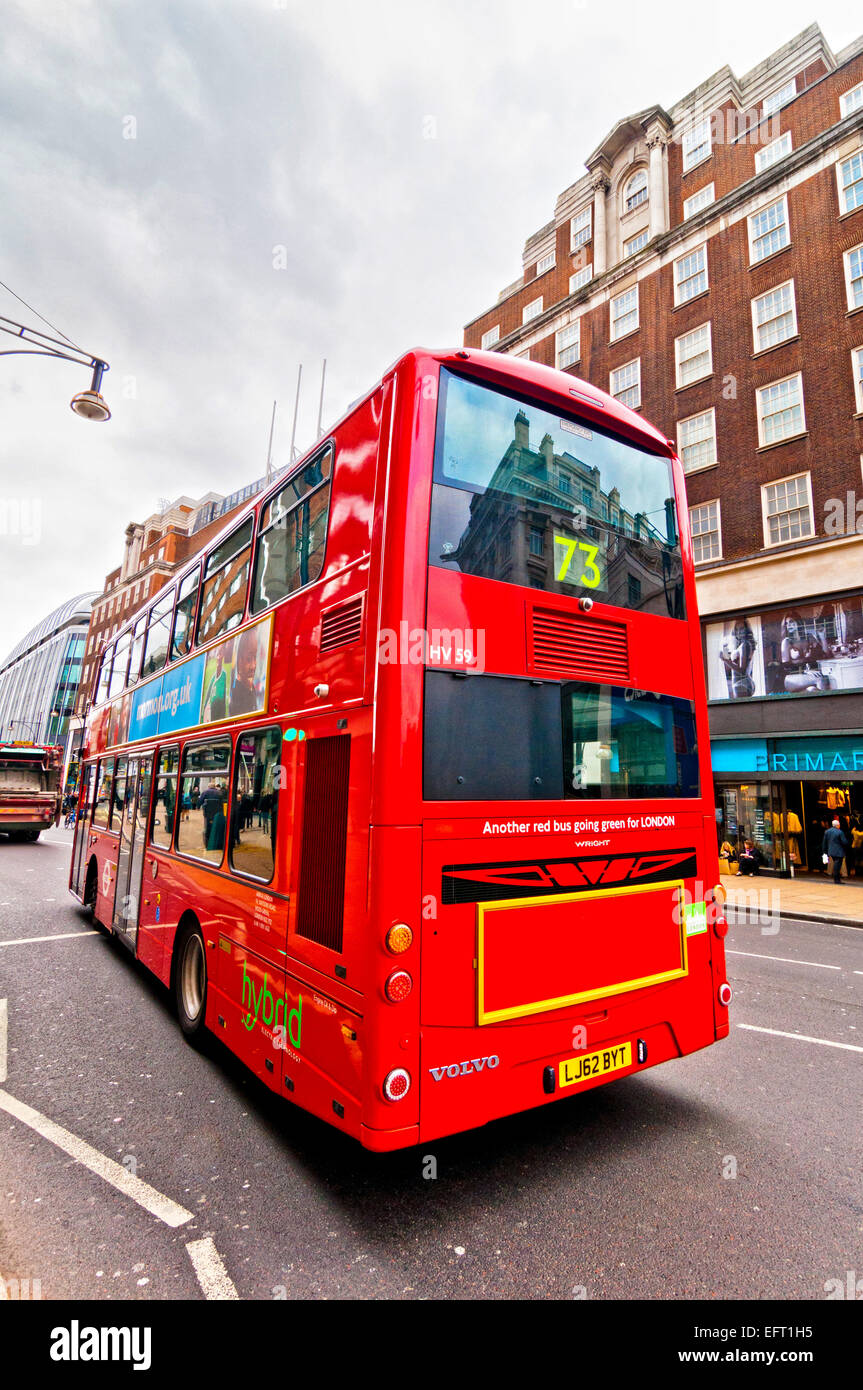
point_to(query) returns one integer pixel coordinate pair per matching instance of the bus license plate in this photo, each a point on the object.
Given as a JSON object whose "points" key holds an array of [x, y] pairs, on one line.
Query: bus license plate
{"points": [[593, 1064]]}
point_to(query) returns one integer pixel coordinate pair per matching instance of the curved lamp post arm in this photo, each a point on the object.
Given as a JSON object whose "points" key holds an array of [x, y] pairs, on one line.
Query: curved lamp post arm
{"points": [[89, 404]]}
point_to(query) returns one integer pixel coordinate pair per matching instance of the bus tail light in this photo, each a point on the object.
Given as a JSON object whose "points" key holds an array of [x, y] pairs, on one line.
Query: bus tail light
{"points": [[720, 925], [397, 1084], [399, 938], [398, 986], [725, 994]]}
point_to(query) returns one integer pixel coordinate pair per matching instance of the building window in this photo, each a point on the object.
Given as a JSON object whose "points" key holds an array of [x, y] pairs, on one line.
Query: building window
{"points": [[524, 354], [857, 360], [567, 344], [696, 144], [704, 525], [690, 275], [624, 313], [581, 228], [702, 199], [693, 355], [768, 231], [547, 263], [635, 243], [625, 384], [770, 154], [774, 317], [633, 591], [780, 410], [854, 277], [696, 441], [531, 310], [780, 97], [851, 101], [850, 173], [537, 539], [786, 508], [490, 338], [580, 279], [635, 192]]}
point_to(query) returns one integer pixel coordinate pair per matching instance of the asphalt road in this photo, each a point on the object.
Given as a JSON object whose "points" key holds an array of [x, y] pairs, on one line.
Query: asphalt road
{"points": [[624, 1191]]}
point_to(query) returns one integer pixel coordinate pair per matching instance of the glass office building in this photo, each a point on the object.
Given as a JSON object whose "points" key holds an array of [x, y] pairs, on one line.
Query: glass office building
{"points": [[39, 678]]}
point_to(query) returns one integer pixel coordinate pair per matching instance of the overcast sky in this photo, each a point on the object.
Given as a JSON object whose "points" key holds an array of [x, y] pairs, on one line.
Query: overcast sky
{"points": [[400, 153]]}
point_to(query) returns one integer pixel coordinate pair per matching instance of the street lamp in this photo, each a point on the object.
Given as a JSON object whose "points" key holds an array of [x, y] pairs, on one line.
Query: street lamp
{"points": [[13, 722], [89, 405]]}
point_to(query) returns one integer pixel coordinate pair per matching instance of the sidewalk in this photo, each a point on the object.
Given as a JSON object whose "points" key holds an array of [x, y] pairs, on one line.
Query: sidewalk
{"points": [[817, 899]]}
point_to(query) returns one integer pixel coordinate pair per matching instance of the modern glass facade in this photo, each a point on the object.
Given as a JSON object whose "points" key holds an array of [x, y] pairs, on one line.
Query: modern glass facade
{"points": [[39, 678]]}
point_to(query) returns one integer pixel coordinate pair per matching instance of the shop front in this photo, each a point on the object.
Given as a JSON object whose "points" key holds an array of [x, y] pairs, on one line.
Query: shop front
{"points": [[782, 793]]}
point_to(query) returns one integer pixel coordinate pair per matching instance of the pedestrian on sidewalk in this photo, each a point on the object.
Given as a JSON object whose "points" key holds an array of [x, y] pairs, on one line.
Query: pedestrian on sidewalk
{"points": [[835, 845]]}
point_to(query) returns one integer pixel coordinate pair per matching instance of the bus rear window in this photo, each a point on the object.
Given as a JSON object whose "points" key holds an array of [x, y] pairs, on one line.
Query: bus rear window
{"points": [[524, 495], [496, 738]]}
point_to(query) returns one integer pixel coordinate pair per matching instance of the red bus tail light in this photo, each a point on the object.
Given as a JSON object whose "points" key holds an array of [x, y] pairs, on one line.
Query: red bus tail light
{"points": [[399, 938], [398, 986], [397, 1084], [725, 995]]}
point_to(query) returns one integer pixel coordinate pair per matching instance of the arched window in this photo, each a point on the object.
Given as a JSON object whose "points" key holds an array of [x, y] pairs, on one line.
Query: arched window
{"points": [[635, 192]]}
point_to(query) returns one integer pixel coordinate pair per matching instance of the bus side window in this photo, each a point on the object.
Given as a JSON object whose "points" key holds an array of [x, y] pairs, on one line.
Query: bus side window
{"points": [[158, 634], [140, 632], [184, 621], [254, 805], [226, 574], [293, 533], [121, 663], [204, 800], [165, 798], [103, 795], [104, 676]]}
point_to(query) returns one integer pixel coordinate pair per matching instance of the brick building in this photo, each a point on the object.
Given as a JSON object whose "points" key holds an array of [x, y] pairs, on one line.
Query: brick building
{"points": [[707, 270], [153, 551]]}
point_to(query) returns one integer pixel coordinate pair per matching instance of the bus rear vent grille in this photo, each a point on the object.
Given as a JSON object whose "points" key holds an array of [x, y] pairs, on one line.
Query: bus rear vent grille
{"points": [[321, 907], [567, 644], [341, 626]]}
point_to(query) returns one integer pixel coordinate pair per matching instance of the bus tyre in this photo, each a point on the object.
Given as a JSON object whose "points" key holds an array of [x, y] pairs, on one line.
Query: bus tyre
{"points": [[32, 834], [91, 887], [190, 981]]}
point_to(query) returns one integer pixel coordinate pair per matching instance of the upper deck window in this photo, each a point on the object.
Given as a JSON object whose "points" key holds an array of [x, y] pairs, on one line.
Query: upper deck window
{"points": [[293, 534], [226, 570], [184, 621], [497, 462], [158, 634]]}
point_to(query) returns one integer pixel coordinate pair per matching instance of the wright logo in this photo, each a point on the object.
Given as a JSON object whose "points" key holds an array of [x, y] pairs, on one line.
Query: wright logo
{"points": [[474, 883]]}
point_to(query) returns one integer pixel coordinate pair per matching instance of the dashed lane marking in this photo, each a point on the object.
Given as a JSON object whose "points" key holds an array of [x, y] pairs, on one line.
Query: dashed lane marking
{"points": [[141, 1192], [57, 936], [787, 960], [800, 1037], [212, 1275]]}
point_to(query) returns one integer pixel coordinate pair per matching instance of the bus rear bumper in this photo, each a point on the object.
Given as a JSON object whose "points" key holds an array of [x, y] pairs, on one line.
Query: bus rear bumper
{"points": [[470, 1090], [387, 1140]]}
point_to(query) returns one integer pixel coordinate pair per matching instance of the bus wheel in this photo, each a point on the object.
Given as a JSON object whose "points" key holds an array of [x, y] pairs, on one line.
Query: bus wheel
{"points": [[190, 982], [32, 834]]}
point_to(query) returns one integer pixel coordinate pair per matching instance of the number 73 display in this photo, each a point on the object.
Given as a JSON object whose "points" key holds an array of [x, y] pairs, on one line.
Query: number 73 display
{"points": [[580, 563]]}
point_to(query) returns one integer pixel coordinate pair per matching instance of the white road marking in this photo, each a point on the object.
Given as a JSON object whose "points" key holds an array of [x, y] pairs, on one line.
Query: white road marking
{"points": [[58, 936], [212, 1275], [4, 1034], [756, 955], [141, 1192], [801, 1037]]}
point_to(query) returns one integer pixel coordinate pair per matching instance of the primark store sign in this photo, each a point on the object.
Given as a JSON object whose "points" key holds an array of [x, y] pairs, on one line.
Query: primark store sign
{"points": [[818, 756]]}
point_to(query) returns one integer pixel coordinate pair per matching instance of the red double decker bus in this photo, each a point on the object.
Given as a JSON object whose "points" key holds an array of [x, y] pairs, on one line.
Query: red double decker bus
{"points": [[403, 788]]}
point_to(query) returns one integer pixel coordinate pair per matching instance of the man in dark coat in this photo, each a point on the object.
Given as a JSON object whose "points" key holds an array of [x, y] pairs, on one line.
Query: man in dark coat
{"points": [[835, 845]]}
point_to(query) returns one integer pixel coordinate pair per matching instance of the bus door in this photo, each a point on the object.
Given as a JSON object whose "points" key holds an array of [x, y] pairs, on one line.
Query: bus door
{"points": [[82, 828], [130, 856]]}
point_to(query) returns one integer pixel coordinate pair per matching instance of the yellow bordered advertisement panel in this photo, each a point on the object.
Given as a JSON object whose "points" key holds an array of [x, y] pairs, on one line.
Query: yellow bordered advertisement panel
{"points": [[485, 921]]}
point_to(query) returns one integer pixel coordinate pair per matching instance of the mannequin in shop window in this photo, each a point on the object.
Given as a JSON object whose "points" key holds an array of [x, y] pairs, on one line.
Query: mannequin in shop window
{"points": [[788, 823]]}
